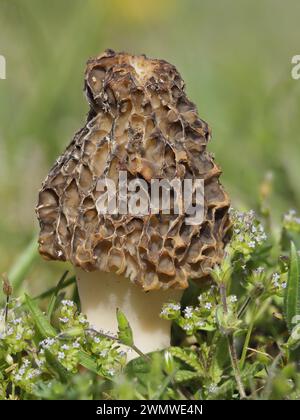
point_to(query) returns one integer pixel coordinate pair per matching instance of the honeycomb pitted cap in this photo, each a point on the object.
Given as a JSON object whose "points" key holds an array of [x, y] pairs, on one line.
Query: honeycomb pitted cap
{"points": [[140, 122]]}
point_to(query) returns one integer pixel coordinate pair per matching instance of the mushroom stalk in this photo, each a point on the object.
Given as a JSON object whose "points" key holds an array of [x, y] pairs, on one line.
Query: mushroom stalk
{"points": [[102, 293]]}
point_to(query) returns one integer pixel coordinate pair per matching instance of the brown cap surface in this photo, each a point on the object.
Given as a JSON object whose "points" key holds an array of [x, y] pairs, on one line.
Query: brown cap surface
{"points": [[140, 122]]}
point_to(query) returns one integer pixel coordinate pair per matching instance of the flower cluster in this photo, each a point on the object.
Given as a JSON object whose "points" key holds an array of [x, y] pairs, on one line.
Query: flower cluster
{"points": [[291, 221], [16, 331], [26, 375], [262, 283], [70, 318], [110, 358], [66, 352], [26, 361], [279, 281], [248, 232], [201, 317]]}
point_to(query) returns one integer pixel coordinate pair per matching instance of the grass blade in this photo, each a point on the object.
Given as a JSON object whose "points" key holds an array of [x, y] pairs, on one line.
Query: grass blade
{"points": [[43, 325], [292, 291], [53, 300], [87, 362], [50, 291], [23, 264]]}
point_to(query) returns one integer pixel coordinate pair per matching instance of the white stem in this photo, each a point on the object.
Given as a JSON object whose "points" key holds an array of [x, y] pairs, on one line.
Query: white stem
{"points": [[101, 293]]}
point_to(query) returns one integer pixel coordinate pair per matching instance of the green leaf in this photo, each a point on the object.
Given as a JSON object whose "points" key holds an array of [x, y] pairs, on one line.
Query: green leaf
{"points": [[87, 361], [125, 332], [43, 325], [23, 264], [292, 291], [50, 291], [57, 367], [53, 300], [294, 340], [185, 376], [189, 358]]}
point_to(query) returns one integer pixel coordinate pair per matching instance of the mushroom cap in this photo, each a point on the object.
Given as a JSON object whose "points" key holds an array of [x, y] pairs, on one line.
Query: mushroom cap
{"points": [[140, 122]]}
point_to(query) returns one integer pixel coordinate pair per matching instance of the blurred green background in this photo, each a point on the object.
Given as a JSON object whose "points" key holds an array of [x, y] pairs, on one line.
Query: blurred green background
{"points": [[235, 56]]}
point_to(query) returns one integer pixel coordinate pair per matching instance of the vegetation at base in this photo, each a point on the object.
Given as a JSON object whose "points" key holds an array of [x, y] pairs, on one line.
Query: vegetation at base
{"points": [[237, 338]]}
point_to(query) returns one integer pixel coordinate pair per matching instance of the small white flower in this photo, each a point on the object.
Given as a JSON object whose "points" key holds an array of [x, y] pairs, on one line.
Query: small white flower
{"points": [[64, 320], [188, 312], [61, 355], [22, 371], [103, 353], [66, 302], [208, 305], [47, 342], [76, 345], [97, 340], [200, 324], [232, 298], [18, 377], [283, 285], [174, 306], [111, 372], [251, 244], [65, 347], [187, 327]]}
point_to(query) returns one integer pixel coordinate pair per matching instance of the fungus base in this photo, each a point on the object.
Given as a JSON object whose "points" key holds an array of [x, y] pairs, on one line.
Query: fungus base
{"points": [[101, 293]]}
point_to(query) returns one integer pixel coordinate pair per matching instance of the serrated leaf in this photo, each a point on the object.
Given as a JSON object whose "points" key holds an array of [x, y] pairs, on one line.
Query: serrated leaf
{"points": [[185, 376], [43, 325], [125, 334], [292, 291], [188, 358]]}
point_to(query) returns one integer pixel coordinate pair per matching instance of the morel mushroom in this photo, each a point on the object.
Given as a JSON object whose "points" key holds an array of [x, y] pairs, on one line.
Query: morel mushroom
{"points": [[140, 122]]}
